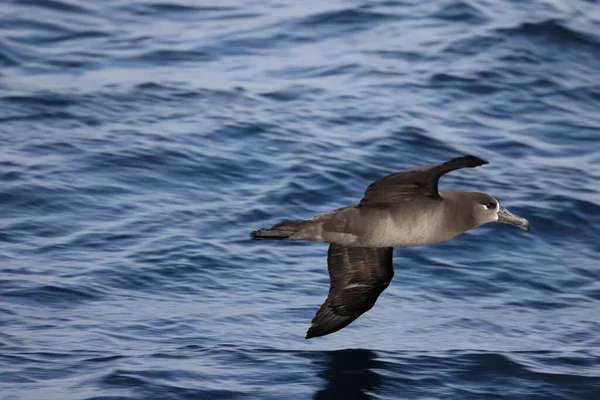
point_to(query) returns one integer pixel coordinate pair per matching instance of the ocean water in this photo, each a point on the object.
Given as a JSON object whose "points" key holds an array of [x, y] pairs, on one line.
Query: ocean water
{"points": [[141, 141]]}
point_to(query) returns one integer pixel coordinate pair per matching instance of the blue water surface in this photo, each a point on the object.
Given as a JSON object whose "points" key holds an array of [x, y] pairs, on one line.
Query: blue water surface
{"points": [[141, 141]]}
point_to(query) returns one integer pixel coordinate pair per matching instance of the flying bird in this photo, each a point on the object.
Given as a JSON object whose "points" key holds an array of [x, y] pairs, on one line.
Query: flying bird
{"points": [[399, 210]]}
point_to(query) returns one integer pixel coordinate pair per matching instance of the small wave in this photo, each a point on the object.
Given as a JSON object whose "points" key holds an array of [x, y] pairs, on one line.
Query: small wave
{"points": [[52, 296], [168, 56], [478, 85], [552, 31], [56, 5], [348, 16], [460, 12], [158, 8]]}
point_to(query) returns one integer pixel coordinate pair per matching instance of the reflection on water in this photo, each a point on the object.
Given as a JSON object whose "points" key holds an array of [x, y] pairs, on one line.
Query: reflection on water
{"points": [[350, 374]]}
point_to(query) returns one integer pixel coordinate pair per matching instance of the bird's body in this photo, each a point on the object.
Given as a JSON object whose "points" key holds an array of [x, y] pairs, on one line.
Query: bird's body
{"points": [[399, 210], [411, 223]]}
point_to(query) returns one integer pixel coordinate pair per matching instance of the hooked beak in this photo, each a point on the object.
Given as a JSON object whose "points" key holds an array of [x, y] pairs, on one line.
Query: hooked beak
{"points": [[509, 218]]}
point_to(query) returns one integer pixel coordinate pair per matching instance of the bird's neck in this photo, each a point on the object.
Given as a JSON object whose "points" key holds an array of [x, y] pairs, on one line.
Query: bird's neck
{"points": [[459, 214]]}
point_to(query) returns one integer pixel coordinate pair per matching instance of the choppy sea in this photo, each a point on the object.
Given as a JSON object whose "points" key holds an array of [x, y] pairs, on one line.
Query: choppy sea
{"points": [[141, 141]]}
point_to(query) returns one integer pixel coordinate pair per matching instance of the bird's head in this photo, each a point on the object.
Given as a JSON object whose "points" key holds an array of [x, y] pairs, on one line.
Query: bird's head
{"points": [[486, 209]]}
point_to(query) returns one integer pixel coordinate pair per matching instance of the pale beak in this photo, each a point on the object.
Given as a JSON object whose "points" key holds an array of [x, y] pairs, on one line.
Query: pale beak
{"points": [[507, 217]]}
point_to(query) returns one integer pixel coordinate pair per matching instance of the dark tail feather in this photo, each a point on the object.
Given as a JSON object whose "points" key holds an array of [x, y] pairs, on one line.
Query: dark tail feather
{"points": [[270, 234], [282, 230]]}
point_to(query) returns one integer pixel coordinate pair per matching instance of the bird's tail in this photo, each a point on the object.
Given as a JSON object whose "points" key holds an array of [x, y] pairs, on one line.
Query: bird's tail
{"points": [[280, 231], [270, 234]]}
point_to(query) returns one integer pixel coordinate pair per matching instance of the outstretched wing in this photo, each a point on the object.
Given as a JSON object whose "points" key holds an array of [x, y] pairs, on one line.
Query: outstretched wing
{"points": [[357, 276], [415, 182]]}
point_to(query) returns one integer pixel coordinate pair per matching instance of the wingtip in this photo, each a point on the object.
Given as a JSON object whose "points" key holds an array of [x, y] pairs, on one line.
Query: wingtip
{"points": [[474, 160], [311, 333]]}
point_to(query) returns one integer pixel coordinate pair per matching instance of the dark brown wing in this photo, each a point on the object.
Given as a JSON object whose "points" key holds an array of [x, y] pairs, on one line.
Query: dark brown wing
{"points": [[415, 182], [357, 276]]}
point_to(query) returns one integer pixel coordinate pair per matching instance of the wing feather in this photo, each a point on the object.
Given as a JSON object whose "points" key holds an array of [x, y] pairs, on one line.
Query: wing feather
{"points": [[357, 276], [414, 182]]}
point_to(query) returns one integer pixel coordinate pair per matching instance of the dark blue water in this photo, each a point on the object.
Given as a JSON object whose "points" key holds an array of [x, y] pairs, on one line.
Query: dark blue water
{"points": [[142, 141]]}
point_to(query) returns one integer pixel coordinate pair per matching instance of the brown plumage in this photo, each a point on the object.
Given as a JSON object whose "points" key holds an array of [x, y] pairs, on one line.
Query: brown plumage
{"points": [[414, 182], [402, 209], [357, 275]]}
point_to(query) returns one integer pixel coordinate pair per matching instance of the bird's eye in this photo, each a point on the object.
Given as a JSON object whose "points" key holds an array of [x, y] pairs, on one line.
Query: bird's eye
{"points": [[491, 206]]}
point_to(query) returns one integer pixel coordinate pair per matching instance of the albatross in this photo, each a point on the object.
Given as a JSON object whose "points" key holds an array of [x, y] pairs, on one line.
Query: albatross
{"points": [[402, 209]]}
